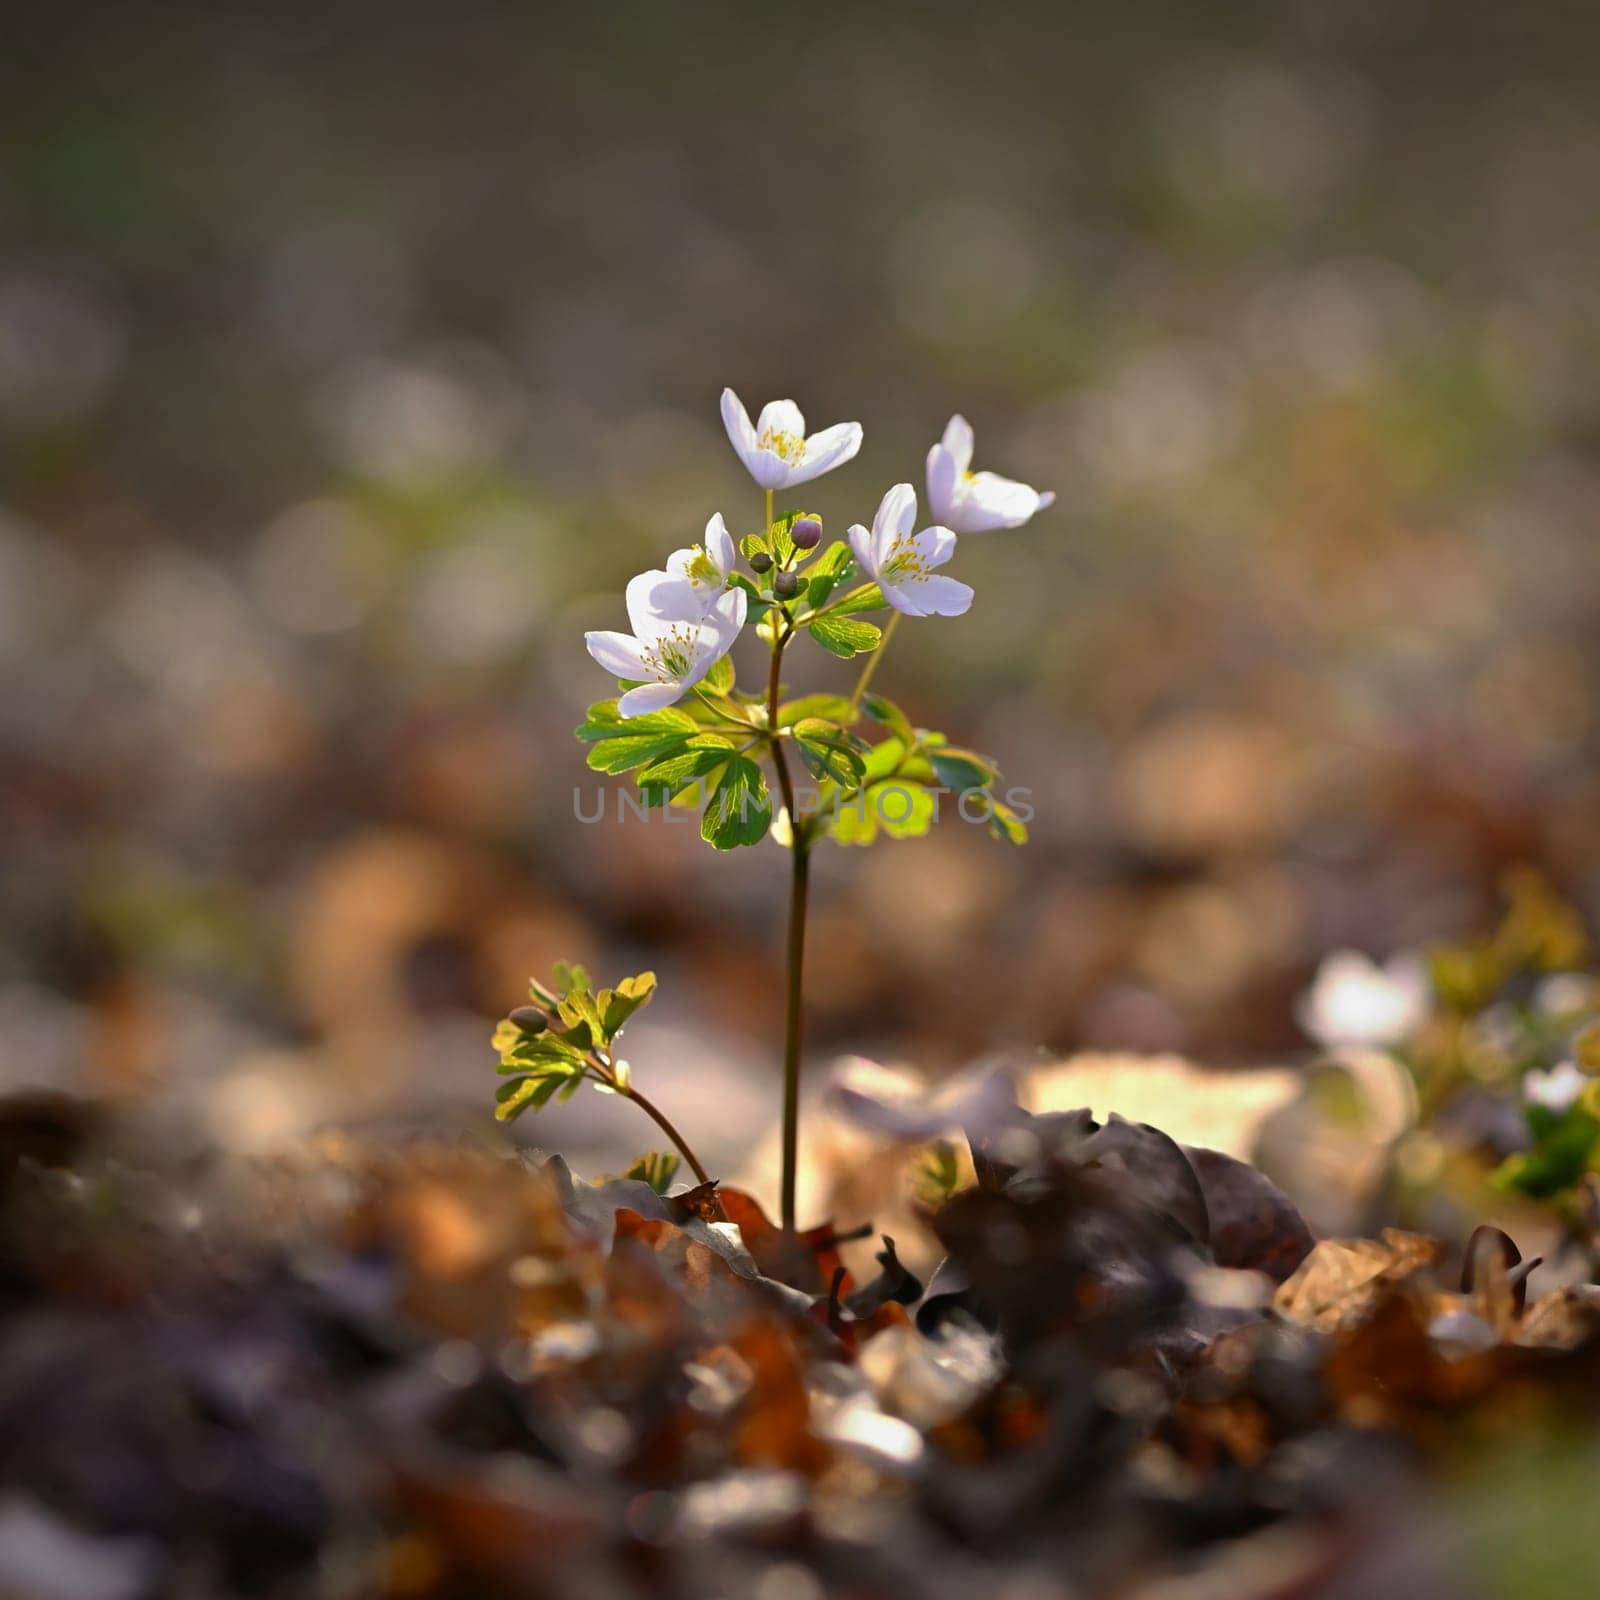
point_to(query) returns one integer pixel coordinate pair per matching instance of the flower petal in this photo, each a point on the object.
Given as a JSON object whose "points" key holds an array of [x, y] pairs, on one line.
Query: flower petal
{"points": [[737, 422], [719, 544], [649, 697], [935, 545], [826, 450], [860, 542], [781, 416], [727, 615], [944, 597], [902, 597], [657, 600], [994, 502], [616, 653], [958, 441], [943, 479], [894, 516]]}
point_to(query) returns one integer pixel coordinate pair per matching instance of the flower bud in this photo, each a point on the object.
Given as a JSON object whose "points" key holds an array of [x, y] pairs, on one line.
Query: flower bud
{"points": [[806, 533], [786, 585], [530, 1019], [761, 561]]}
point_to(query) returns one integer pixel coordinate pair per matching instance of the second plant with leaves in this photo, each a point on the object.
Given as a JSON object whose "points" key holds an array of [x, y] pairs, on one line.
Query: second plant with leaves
{"points": [[848, 767]]}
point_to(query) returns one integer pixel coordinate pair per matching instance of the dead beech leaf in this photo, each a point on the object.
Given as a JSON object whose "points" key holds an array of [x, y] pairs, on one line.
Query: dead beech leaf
{"points": [[1564, 1319], [1342, 1279], [1254, 1224]]}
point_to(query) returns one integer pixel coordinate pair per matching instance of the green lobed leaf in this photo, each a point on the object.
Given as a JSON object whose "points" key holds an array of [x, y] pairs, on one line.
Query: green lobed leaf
{"points": [[739, 811], [961, 770], [578, 1010], [658, 1169], [756, 608], [893, 806], [535, 1092], [867, 598], [547, 1052], [830, 570], [617, 1005], [569, 975], [719, 680], [829, 752], [1006, 825], [667, 778], [842, 637], [621, 743], [891, 716], [832, 707]]}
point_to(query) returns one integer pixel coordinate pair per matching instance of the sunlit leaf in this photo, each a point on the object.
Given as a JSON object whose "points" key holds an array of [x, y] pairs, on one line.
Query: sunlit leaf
{"points": [[842, 637], [739, 811], [829, 752]]}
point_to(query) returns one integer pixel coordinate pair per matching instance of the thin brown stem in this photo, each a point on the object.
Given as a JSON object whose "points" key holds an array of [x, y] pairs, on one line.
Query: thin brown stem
{"points": [[794, 961], [661, 1120]]}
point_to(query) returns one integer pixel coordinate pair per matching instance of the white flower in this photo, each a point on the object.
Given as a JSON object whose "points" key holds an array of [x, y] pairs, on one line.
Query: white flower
{"points": [[1355, 1002], [975, 502], [703, 568], [675, 640], [901, 562], [776, 451], [1555, 1090]]}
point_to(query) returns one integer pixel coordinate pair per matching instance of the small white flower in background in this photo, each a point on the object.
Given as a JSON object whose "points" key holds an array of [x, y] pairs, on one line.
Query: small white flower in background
{"points": [[975, 502], [703, 568], [1355, 1002], [776, 451], [675, 641], [901, 562], [1555, 1090]]}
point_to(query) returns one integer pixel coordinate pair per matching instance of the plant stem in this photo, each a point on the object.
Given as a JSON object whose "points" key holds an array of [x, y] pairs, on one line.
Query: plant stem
{"points": [[801, 853], [872, 663], [602, 1070], [659, 1117], [794, 961]]}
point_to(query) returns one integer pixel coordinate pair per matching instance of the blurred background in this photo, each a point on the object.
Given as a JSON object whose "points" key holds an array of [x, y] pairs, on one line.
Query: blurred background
{"points": [[352, 358]]}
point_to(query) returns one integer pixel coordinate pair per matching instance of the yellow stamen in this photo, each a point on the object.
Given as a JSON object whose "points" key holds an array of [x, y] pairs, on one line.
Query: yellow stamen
{"points": [[905, 562], [674, 653], [789, 448]]}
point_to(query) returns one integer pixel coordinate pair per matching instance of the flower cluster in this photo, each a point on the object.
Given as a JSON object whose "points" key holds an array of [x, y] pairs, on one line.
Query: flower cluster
{"points": [[686, 616]]}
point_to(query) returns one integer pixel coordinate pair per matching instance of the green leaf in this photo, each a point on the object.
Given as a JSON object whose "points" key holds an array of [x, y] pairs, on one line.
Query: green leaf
{"points": [[961, 770], [657, 1169], [834, 707], [578, 1010], [617, 1005], [778, 540], [569, 975], [1006, 825], [754, 544], [844, 638], [829, 752], [633, 741], [830, 569], [663, 780], [739, 811], [867, 598], [891, 716], [546, 1053], [756, 608], [893, 806], [938, 1172], [719, 680]]}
